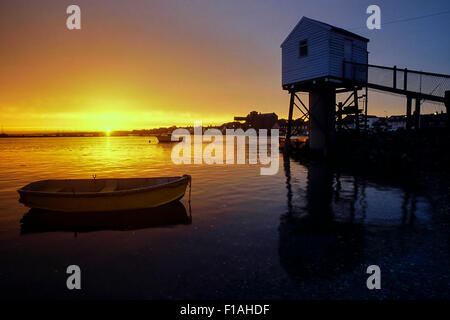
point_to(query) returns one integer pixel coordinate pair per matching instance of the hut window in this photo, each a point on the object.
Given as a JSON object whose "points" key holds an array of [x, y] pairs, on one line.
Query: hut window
{"points": [[303, 49]]}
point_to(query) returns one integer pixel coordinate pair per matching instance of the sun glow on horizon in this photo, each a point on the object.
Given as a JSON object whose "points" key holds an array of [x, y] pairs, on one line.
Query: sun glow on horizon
{"points": [[104, 121]]}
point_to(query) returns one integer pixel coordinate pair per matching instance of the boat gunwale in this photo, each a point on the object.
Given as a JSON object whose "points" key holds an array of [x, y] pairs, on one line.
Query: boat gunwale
{"points": [[97, 194]]}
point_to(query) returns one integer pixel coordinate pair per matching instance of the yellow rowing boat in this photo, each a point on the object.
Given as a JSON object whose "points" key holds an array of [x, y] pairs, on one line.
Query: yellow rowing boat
{"points": [[96, 195]]}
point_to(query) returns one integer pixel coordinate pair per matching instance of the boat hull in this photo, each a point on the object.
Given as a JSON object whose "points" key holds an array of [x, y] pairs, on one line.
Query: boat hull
{"points": [[111, 201]]}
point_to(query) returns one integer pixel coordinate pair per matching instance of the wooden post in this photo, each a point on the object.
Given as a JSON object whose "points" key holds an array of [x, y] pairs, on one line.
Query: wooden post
{"points": [[322, 117], [405, 79], [366, 124], [339, 124], [287, 143], [355, 96], [417, 114], [408, 112], [395, 77], [447, 106]]}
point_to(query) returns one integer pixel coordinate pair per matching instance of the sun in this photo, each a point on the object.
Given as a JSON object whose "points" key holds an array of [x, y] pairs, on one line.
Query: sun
{"points": [[108, 132]]}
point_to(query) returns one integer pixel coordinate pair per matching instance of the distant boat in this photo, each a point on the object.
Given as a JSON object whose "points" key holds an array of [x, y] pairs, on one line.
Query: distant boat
{"points": [[164, 138], [98, 195]]}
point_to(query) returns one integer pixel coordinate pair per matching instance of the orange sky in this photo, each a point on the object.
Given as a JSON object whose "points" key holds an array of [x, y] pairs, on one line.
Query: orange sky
{"points": [[139, 64], [125, 69]]}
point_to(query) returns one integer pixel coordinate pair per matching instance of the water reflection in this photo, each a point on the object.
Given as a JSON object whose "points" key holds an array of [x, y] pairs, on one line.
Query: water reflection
{"points": [[312, 242], [35, 221], [409, 207], [325, 235]]}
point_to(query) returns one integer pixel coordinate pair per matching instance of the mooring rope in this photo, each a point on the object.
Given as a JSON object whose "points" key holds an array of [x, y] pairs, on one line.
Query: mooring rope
{"points": [[189, 201], [190, 188]]}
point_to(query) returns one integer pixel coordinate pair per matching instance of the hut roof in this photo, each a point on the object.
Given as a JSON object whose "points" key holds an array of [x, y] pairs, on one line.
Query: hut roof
{"points": [[328, 27]]}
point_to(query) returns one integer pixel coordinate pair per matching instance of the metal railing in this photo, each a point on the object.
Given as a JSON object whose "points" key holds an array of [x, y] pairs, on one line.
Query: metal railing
{"points": [[403, 81]]}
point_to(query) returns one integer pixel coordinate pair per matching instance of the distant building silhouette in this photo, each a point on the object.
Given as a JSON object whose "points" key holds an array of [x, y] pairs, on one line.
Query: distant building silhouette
{"points": [[258, 121], [397, 123]]}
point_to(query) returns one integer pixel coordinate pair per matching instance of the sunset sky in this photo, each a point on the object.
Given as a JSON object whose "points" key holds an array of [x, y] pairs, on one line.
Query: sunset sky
{"points": [[143, 64]]}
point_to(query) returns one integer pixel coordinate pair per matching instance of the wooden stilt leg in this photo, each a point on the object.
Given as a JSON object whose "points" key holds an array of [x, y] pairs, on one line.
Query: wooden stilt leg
{"points": [[417, 114], [355, 94], [408, 112], [287, 143]]}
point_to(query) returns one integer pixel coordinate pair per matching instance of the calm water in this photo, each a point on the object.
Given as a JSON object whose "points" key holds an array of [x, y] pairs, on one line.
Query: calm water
{"points": [[306, 232]]}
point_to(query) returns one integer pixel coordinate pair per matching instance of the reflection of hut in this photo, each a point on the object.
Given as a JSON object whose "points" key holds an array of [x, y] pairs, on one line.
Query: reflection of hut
{"points": [[308, 250], [312, 242], [259, 120]]}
